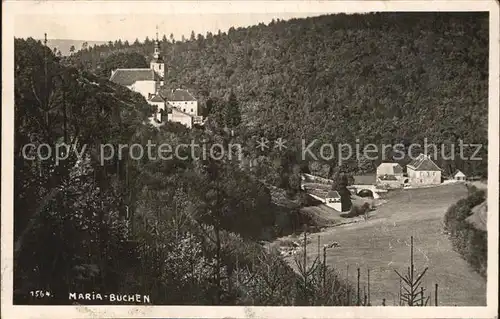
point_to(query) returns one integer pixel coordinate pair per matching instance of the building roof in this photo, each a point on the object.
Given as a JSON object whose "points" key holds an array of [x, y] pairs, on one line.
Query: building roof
{"points": [[388, 178], [365, 180], [156, 98], [458, 173], [423, 163], [332, 194], [177, 95], [389, 169], [128, 77]]}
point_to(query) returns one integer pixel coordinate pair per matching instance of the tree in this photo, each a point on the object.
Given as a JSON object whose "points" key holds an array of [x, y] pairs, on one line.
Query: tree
{"points": [[340, 183], [72, 49], [232, 112], [123, 60]]}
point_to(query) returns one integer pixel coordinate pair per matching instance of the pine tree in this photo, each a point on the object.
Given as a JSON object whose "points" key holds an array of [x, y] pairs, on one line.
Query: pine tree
{"points": [[233, 113]]}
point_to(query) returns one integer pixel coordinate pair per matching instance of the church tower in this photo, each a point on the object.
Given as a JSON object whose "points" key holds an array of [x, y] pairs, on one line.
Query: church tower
{"points": [[157, 64]]}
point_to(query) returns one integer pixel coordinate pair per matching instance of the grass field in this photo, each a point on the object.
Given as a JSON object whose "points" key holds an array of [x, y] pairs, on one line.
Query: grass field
{"points": [[382, 244]]}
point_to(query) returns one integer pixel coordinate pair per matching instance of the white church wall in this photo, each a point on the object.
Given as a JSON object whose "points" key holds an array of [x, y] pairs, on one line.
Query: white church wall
{"points": [[144, 88]]}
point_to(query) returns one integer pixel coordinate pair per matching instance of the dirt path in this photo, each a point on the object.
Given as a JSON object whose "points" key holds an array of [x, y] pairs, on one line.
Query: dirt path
{"points": [[382, 244]]}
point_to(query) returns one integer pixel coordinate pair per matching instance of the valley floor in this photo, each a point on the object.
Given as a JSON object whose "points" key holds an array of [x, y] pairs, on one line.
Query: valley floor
{"points": [[382, 245]]}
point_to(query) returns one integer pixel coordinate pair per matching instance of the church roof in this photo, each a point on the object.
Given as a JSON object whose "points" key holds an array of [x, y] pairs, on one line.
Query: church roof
{"points": [[156, 98], [128, 77], [423, 163], [177, 95]]}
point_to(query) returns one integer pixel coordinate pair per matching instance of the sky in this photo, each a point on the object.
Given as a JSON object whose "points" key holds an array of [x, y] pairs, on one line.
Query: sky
{"points": [[106, 27]]}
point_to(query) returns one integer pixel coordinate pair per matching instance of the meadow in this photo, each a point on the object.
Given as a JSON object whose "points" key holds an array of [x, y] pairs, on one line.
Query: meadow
{"points": [[381, 244]]}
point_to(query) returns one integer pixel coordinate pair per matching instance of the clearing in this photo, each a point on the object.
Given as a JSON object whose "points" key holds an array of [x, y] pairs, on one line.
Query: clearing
{"points": [[382, 245]]}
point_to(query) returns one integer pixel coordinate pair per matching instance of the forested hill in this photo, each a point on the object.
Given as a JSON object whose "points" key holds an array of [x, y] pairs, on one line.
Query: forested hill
{"points": [[381, 78]]}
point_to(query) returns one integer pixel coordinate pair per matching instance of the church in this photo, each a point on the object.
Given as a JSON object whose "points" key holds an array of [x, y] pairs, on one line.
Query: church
{"points": [[177, 105]]}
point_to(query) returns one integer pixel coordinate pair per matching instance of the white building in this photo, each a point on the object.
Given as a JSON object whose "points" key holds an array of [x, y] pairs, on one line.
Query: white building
{"points": [[175, 105], [423, 171], [333, 200], [143, 81], [459, 176]]}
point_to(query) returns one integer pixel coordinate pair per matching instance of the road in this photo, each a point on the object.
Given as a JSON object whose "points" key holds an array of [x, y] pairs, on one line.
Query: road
{"points": [[382, 244]]}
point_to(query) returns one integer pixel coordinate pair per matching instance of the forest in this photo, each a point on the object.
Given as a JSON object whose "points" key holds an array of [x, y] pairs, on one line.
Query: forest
{"points": [[383, 78], [188, 232]]}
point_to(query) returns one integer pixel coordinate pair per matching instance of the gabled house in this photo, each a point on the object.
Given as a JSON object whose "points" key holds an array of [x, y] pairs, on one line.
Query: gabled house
{"points": [[423, 171], [184, 104], [333, 200], [459, 176]]}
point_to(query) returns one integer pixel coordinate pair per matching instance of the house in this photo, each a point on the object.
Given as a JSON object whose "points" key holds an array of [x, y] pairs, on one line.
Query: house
{"points": [[333, 200], [390, 169], [179, 105], [423, 171], [459, 176], [184, 104]]}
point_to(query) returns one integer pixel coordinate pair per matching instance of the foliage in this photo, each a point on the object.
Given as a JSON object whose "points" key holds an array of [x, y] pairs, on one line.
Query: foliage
{"points": [[470, 242], [421, 75], [185, 231], [122, 60]]}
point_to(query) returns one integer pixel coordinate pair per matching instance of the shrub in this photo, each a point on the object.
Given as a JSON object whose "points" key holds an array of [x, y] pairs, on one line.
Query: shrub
{"points": [[467, 240]]}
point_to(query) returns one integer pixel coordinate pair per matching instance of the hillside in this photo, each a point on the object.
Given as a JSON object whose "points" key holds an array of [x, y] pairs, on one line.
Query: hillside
{"points": [[381, 78], [88, 218]]}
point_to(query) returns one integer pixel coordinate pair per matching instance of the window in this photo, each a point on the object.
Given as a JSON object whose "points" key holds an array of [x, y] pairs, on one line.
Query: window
{"points": [[159, 67], [191, 110]]}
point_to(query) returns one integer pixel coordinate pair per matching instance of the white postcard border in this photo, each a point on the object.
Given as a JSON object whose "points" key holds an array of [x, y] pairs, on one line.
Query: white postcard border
{"points": [[11, 8]]}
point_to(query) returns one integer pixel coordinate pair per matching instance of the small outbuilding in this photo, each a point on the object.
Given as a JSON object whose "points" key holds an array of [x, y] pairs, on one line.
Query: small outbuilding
{"points": [[459, 176], [333, 200]]}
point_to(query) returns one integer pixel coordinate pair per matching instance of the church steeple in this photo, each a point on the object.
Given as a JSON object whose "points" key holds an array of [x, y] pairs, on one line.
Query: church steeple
{"points": [[157, 63]]}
